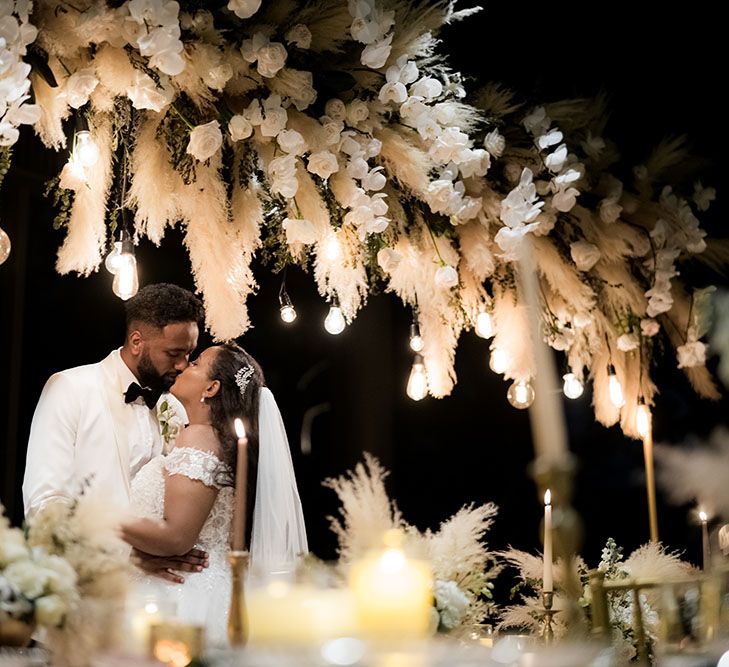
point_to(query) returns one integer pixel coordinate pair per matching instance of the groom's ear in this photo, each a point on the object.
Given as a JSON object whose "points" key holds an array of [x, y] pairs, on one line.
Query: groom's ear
{"points": [[135, 341]]}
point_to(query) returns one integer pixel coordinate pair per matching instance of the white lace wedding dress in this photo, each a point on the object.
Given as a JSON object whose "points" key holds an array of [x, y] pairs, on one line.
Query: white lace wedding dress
{"points": [[204, 597]]}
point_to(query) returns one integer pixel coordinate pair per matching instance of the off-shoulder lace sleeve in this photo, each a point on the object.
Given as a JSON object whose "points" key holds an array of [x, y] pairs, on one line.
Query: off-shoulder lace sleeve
{"points": [[199, 465]]}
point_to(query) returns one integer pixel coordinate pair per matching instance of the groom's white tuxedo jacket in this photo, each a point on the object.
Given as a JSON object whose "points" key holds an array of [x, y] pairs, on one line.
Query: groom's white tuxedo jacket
{"points": [[84, 433]]}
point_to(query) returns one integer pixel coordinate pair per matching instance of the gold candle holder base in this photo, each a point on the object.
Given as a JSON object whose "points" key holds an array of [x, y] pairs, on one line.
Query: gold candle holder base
{"points": [[237, 617], [547, 633]]}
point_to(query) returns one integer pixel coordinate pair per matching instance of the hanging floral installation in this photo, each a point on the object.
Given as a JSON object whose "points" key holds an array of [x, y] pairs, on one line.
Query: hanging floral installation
{"points": [[332, 135]]}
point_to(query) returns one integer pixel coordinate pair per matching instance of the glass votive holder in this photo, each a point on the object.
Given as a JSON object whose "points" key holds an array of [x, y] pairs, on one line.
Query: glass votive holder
{"points": [[143, 610], [176, 644], [483, 634]]}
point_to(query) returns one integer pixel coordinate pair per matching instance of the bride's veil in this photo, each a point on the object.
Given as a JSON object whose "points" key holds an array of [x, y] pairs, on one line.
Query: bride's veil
{"points": [[279, 534]]}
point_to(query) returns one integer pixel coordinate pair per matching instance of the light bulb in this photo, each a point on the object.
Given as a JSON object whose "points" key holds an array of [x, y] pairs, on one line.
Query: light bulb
{"points": [[112, 259], [521, 394], [4, 245], [85, 150], [332, 248], [499, 361], [126, 281], [484, 325], [334, 322], [418, 380], [643, 419], [572, 386], [615, 388], [288, 314], [416, 340]]}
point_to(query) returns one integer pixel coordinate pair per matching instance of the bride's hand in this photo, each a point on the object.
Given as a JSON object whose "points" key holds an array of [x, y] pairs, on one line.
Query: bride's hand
{"points": [[168, 567]]}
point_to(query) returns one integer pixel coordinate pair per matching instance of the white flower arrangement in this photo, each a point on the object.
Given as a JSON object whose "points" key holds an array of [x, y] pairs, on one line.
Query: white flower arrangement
{"points": [[390, 153], [170, 422], [463, 566]]}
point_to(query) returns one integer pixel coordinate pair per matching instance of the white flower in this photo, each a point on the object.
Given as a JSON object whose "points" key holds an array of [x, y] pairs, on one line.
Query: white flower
{"points": [[373, 148], [332, 130], [253, 113], [703, 196], [50, 610], [627, 342], [323, 164], [476, 164], [537, 122], [336, 109], [27, 577], [216, 77], [364, 31], [79, 87], [205, 140], [494, 143], [282, 171], [649, 327], [660, 300], [449, 146], [413, 108], [271, 58], [358, 168], [565, 200], [275, 117], [244, 9], [393, 92], [451, 603], [440, 195], [521, 205], [299, 35], [585, 255], [469, 209], [692, 354], [428, 88], [357, 112], [168, 61], [292, 142], [298, 86], [427, 127], [555, 161], [446, 276], [145, 94], [12, 546], [509, 240], [239, 128], [374, 180], [610, 210], [554, 136], [299, 231], [8, 133], [388, 259], [403, 71], [375, 55]]}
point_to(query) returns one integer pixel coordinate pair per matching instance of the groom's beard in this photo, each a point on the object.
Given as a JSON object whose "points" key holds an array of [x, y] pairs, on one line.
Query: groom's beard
{"points": [[150, 377]]}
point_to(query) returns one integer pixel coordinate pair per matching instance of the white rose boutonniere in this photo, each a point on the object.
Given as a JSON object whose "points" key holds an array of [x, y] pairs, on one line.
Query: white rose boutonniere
{"points": [[170, 423]]}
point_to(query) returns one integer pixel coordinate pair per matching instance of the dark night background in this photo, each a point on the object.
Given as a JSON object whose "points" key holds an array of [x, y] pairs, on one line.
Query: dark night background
{"points": [[661, 73]]}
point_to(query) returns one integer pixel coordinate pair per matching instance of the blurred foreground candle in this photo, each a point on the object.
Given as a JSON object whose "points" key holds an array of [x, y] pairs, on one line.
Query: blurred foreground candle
{"points": [[144, 611], [281, 612], [547, 580], [392, 593], [644, 426], [705, 547], [176, 644], [241, 471]]}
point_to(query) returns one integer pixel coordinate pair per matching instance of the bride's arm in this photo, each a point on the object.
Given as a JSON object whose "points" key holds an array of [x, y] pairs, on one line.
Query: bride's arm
{"points": [[188, 503]]}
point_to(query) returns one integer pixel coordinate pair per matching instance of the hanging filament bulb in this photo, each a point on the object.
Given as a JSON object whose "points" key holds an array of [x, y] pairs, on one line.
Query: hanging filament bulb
{"points": [[416, 340], [615, 388], [334, 322], [112, 259], [572, 386], [126, 280], [521, 394], [4, 245], [288, 312], [418, 381], [332, 247], [85, 150], [643, 419], [498, 361], [484, 325]]}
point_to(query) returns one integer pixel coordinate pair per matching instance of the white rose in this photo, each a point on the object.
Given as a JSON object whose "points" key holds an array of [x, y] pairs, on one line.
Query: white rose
{"points": [[282, 167], [375, 55], [451, 602], [349, 145], [429, 88], [299, 35], [274, 121], [357, 112], [393, 92], [250, 48], [144, 93], [79, 87], [388, 259], [299, 231], [253, 114], [439, 195], [12, 546], [286, 186], [323, 164], [27, 577], [628, 342], [692, 354], [205, 140], [494, 143], [332, 130], [336, 109], [50, 610], [649, 327], [477, 163], [585, 255], [610, 210], [292, 142], [218, 76], [271, 59], [244, 9], [239, 128], [413, 108], [168, 61], [446, 276]]}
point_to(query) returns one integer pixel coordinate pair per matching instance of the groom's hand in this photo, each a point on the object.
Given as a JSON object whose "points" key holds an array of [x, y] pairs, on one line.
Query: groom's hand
{"points": [[169, 567]]}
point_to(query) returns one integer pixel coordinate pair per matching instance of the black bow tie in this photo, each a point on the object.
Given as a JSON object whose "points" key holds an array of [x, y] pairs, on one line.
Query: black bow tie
{"points": [[149, 396]]}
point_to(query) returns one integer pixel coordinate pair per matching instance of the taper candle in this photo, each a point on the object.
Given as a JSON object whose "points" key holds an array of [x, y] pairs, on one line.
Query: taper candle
{"points": [[241, 472], [547, 579]]}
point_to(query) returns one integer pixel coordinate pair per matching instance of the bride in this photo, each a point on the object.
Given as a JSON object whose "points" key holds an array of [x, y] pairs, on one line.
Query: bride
{"points": [[186, 498]]}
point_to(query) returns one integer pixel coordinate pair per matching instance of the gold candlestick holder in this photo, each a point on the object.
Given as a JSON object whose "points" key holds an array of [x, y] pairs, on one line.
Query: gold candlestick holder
{"points": [[237, 617], [547, 633]]}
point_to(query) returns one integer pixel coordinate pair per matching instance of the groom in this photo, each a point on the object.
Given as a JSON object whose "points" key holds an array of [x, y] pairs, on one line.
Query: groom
{"points": [[99, 424]]}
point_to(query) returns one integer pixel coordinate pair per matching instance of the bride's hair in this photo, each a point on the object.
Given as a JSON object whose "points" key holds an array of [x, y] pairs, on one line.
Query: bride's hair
{"points": [[230, 403]]}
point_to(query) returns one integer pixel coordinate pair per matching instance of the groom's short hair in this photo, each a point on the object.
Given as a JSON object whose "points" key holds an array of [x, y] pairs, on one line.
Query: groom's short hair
{"points": [[161, 304]]}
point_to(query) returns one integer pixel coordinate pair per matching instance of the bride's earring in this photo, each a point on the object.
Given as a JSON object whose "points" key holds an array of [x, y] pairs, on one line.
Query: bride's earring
{"points": [[202, 399]]}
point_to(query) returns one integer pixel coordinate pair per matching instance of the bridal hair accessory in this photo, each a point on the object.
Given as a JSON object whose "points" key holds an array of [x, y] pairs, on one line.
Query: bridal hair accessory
{"points": [[243, 377]]}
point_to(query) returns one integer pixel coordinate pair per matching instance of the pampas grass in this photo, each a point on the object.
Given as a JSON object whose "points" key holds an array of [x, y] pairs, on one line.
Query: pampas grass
{"points": [[403, 159]]}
